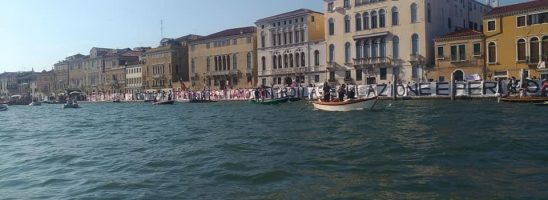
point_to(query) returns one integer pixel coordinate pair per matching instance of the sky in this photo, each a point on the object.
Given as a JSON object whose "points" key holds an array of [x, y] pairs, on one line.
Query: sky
{"points": [[35, 34]]}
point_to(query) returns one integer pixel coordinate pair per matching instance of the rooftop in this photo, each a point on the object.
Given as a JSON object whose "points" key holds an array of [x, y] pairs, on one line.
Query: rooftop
{"points": [[526, 6], [291, 13], [461, 33], [230, 32]]}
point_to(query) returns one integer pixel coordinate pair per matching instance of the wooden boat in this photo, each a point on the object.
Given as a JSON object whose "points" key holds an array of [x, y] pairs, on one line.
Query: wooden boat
{"points": [[3, 107], [270, 101], [169, 102], [348, 105], [526, 99]]}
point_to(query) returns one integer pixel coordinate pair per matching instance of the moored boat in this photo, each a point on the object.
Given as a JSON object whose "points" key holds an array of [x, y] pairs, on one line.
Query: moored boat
{"points": [[3, 107], [270, 101], [526, 99], [201, 101], [35, 103], [347, 105], [71, 105], [169, 102]]}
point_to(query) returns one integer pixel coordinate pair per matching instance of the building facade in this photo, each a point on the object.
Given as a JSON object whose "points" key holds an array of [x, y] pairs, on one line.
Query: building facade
{"points": [[166, 64], [134, 79], [375, 41], [517, 40], [291, 48], [224, 60], [459, 55]]}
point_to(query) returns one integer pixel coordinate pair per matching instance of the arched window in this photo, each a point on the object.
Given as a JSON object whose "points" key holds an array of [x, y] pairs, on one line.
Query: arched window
{"points": [[534, 50], [358, 22], [208, 63], [382, 48], [263, 63], [262, 39], [286, 60], [415, 44], [375, 48], [274, 63], [382, 18], [235, 61], [413, 13], [365, 20], [492, 48], [216, 63], [347, 52], [545, 47], [331, 53], [521, 49], [346, 24], [395, 20], [225, 63], [359, 50], [297, 59], [346, 4], [291, 61], [428, 13], [317, 58], [331, 26], [366, 49], [358, 2], [374, 19], [280, 63], [249, 60], [396, 47], [303, 63]]}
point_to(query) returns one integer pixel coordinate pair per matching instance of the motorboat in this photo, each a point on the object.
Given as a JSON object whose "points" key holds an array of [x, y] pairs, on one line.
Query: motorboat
{"points": [[169, 102], [524, 99], [35, 103], [347, 105], [3, 107], [270, 101], [71, 105]]}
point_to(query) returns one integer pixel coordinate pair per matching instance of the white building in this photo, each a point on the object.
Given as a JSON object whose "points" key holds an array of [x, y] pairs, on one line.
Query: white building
{"points": [[134, 80], [291, 48], [368, 41]]}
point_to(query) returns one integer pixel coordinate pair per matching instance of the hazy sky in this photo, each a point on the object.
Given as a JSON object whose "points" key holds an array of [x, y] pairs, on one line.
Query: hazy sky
{"points": [[38, 33]]}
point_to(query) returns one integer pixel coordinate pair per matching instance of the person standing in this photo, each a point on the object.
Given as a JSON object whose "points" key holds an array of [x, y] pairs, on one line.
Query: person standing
{"points": [[342, 92], [326, 92]]}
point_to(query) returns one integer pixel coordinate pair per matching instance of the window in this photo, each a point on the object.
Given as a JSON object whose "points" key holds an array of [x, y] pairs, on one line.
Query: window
{"points": [[491, 25], [359, 75], [262, 40], [291, 61], [280, 61], [537, 18], [415, 44], [235, 61], [208, 61], [331, 76], [274, 63], [303, 63], [331, 26], [317, 78], [235, 42], [440, 54], [395, 20], [346, 3], [454, 53], [520, 21], [449, 23], [330, 7], [331, 53], [534, 50], [383, 73], [358, 50], [382, 48], [414, 13], [347, 53], [374, 48], [316, 58], [382, 18], [365, 21], [346, 24], [263, 63], [249, 60], [374, 19], [358, 22], [286, 60], [415, 71], [297, 37], [521, 50], [545, 48], [477, 49], [492, 51], [429, 13], [396, 47], [297, 59], [348, 75], [366, 49], [290, 37], [462, 52]]}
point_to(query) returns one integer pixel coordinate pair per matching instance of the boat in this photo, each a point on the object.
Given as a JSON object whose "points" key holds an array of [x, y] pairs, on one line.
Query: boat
{"points": [[270, 101], [526, 99], [169, 102], [347, 105], [116, 101], [35, 103], [542, 104], [3, 107], [71, 105]]}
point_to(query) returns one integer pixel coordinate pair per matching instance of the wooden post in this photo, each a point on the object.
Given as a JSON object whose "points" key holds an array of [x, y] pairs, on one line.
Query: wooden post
{"points": [[452, 87], [394, 86]]}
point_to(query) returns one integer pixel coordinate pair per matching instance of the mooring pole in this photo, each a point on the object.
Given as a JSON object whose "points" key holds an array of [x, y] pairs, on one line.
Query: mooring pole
{"points": [[452, 88]]}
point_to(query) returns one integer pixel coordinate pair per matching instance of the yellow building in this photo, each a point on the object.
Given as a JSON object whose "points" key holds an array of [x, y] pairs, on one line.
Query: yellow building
{"points": [[224, 60], [517, 40], [460, 54]]}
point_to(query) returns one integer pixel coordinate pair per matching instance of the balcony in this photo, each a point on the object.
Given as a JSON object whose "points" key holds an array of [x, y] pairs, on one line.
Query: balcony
{"points": [[417, 59], [223, 72], [376, 61]]}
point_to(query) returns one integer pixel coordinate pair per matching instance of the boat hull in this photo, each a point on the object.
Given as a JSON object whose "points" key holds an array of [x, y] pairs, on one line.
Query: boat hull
{"points": [[345, 106], [3, 107], [270, 101], [36, 103], [164, 103], [71, 106], [528, 99]]}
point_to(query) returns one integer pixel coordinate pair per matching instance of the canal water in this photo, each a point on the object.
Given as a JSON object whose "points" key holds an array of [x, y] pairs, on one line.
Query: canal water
{"points": [[401, 150]]}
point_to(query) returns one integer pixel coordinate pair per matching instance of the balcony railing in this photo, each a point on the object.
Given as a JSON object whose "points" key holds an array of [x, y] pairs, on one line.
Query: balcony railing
{"points": [[362, 62]]}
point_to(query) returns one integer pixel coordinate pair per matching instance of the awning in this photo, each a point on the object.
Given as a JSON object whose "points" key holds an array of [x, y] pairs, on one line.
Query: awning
{"points": [[370, 35]]}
